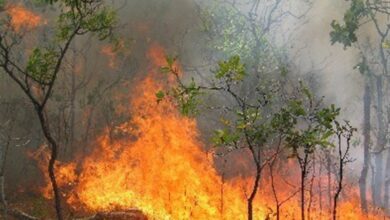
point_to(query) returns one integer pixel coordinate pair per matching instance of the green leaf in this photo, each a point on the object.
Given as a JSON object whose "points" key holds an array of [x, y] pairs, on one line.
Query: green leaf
{"points": [[346, 33], [296, 108], [89, 18], [41, 64], [170, 61], [224, 137], [160, 96], [283, 70], [231, 69], [165, 69], [386, 44], [362, 66], [2, 4]]}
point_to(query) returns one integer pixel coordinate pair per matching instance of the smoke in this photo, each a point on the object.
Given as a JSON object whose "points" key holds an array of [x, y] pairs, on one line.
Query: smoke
{"points": [[300, 34]]}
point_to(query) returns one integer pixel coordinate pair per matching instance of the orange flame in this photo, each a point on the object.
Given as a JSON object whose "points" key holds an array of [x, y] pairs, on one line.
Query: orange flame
{"points": [[111, 53], [158, 166], [23, 18], [163, 172]]}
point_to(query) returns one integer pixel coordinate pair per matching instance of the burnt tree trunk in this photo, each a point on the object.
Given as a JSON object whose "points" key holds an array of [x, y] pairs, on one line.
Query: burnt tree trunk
{"points": [[366, 147]]}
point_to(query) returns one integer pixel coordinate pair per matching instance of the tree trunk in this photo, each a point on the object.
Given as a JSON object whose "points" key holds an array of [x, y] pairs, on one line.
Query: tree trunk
{"points": [[72, 106], [303, 164], [320, 189], [366, 147], [3, 157], [254, 191], [378, 180], [310, 201], [387, 176], [329, 180], [387, 183], [302, 195], [378, 177], [53, 157], [340, 179]]}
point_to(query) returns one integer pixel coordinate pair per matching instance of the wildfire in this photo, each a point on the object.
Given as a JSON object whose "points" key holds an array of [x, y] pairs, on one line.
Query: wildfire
{"points": [[159, 166], [163, 172], [110, 52], [23, 18]]}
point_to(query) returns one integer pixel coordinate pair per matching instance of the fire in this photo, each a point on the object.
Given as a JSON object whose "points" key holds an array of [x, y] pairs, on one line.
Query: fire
{"points": [[65, 171], [114, 51], [163, 172], [110, 53], [158, 165], [23, 18]]}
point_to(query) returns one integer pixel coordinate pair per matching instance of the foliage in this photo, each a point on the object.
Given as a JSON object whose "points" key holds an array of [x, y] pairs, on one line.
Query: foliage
{"points": [[187, 98], [80, 17], [186, 95], [160, 96], [346, 33], [362, 66], [232, 33], [311, 124], [36, 77], [232, 69], [100, 23], [256, 122], [224, 137], [41, 65]]}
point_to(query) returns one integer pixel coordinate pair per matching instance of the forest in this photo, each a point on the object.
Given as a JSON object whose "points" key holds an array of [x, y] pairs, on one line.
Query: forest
{"points": [[194, 110]]}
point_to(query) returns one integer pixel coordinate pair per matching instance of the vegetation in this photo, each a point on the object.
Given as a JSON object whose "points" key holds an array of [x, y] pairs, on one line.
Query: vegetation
{"points": [[374, 68], [37, 74], [246, 74], [266, 119]]}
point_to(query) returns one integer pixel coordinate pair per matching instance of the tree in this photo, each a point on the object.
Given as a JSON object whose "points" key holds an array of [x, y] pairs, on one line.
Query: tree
{"points": [[260, 121], [312, 129], [251, 127], [36, 75], [249, 29], [374, 67], [342, 132]]}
